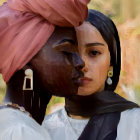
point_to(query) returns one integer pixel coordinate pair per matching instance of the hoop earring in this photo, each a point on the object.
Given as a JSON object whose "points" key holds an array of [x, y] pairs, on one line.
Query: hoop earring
{"points": [[109, 80], [28, 93]]}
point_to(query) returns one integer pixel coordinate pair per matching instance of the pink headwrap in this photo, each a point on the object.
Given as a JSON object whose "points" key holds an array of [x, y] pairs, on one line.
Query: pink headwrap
{"points": [[25, 26]]}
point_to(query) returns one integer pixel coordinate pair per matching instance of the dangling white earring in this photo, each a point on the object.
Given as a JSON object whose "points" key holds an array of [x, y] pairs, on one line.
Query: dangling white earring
{"points": [[28, 76], [28, 93], [109, 80]]}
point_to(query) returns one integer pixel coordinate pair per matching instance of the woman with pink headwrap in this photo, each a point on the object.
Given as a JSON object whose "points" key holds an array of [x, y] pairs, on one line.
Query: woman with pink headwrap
{"points": [[37, 59]]}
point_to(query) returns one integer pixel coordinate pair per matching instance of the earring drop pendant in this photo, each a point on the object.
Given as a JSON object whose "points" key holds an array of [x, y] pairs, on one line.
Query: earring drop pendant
{"points": [[28, 76], [109, 81]]}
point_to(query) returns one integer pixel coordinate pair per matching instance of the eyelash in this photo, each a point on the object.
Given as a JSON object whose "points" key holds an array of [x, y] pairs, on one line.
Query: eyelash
{"points": [[94, 53], [66, 53]]}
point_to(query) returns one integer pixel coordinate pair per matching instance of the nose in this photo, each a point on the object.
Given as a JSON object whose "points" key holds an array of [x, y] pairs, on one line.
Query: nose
{"points": [[77, 61]]}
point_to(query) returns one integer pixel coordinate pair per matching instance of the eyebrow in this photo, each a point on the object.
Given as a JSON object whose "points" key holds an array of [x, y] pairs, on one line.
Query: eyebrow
{"points": [[94, 44], [66, 40], [62, 43]]}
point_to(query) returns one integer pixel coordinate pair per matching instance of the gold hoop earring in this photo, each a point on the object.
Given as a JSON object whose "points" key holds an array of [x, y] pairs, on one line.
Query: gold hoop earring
{"points": [[110, 73]]}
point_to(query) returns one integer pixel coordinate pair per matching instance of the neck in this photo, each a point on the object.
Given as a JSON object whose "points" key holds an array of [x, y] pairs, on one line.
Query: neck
{"points": [[81, 105], [14, 91]]}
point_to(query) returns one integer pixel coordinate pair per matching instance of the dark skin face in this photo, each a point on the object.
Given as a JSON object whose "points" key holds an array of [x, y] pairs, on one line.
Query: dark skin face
{"points": [[56, 69], [58, 64]]}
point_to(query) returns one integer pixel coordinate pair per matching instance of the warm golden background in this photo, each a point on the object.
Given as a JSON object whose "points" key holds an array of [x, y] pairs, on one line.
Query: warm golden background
{"points": [[125, 14]]}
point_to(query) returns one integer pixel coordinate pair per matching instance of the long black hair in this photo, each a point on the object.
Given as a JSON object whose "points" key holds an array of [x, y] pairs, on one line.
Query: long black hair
{"points": [[109, 33]]}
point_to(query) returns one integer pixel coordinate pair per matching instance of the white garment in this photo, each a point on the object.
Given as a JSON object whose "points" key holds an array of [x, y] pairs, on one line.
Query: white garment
{"points": [[62, 127], [129, 125], [16, 125]]}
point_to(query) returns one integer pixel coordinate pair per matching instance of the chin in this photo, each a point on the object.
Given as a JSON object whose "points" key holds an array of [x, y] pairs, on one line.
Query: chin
{"points": [[82, 91], [86, 93], [65, 92]]}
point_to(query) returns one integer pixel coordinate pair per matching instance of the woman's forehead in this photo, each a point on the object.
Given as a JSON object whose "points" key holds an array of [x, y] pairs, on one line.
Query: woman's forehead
{"points": [[64, 31], [60, 34], [88, 33], [85, 25]]}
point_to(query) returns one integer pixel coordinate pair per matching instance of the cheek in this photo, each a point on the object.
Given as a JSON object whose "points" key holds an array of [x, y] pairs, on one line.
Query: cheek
{"points": [[100, 68], [103, 68], [57, 72], [58, 78]]}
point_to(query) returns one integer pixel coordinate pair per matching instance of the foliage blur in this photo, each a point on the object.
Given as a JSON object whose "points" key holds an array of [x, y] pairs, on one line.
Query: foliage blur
{"points": [[125, 14], [2, 1]]}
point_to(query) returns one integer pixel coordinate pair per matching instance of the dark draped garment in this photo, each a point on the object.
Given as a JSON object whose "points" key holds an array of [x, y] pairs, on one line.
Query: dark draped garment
{"points": [[104, 110]]}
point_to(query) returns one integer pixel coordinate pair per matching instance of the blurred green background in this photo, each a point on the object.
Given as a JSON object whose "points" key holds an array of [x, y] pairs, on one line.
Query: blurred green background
{"points": [[125, 14]]}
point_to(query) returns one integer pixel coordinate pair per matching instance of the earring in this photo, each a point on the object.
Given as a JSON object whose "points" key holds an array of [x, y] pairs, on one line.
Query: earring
{"points": [[109, 80], [28, 77], [28, 93]]}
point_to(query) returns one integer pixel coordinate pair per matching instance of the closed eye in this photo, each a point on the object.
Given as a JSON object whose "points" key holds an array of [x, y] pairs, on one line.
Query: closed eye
{"points": [[66, 53]]}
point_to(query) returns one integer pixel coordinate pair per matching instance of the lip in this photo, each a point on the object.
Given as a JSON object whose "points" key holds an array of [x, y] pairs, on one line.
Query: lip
{"points": [[78, 82], [85, 80], [77, 78]]}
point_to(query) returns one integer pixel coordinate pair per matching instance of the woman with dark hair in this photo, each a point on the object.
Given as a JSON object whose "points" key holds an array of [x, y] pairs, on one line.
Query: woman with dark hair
{"points": [[96, 112], [35, 36]]}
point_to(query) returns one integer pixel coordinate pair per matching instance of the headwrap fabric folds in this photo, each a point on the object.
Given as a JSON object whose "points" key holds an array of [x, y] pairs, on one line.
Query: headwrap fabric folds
{"points": [[26, 25], [57, 12]]}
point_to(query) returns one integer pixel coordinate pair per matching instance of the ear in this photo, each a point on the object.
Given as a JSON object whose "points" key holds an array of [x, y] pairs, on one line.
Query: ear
{"points": [[110, 68]]}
